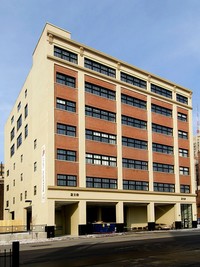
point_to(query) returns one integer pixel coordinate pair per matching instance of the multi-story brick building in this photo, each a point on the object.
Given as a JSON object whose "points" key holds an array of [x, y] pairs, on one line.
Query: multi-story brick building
{"points": [[93, 139]]}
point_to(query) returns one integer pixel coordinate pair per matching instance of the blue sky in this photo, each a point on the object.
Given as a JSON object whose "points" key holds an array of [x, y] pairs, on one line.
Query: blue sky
{"points": [[159, 36]]}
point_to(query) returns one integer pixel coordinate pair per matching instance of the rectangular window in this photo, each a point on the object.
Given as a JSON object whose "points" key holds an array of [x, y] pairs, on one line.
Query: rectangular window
{"points": [[12, 134], [19, 140], [66, 180], [65, 105], [161, 91], [183, 152], [161, 110], [159, 167], [66, 129], [101, 68], [162, 129], [35, 190], [133, 80], [26, 111], [35, 166], [35, 143], [12, 119], [134, 122], [65, 54], [162, 148], [132, 101], [25, 195], [67, 155], [135, 185], [100, 91], [100, 137], [101, 160], [26, 130], [182, 99], [182, 134], [134, 164], [185, 189], [19, 106], [100, 114], [21, 196], [161, 187], [183, 170], [130, 142], [66, 80], [182, 117], [93, 182], [19, 122]]}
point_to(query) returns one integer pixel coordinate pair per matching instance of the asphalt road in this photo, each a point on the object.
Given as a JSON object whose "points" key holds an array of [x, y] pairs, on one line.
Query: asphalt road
{"points": [[171, 249]]}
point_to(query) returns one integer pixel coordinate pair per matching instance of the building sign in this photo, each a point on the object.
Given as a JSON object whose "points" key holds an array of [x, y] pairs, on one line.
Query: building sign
{"points": [[43, 175]]}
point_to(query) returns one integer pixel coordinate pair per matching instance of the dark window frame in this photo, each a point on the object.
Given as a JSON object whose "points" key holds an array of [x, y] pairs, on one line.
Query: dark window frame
{"points": [[65, 129], [161, 91], [134, 164], [133, 122], [99, 182], [134, 143], [65, 54], [164, 187], [66, 180], [64, 104], [100, 91], [133, 101], [157, 128], [67, 80], [98, 67], [66, 155], [100, 113], [130, 79], [161, 110], [135, 185], [100, 137]]}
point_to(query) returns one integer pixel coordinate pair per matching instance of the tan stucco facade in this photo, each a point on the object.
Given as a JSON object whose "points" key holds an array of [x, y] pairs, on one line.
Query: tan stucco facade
{"points": [[33, 168]]}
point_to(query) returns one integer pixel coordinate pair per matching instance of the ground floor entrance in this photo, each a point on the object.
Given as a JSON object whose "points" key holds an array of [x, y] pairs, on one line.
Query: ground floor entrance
{"points": [[87, 217]]}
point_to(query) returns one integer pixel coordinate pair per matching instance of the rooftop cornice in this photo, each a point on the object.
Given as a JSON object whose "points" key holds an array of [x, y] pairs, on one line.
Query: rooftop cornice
{"points": [[119, 63]]}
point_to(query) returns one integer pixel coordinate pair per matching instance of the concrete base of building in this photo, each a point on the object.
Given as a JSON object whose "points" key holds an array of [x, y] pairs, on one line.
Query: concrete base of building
{"points": [[194, 224], [151, 226], [22, 236], [178, 225]]}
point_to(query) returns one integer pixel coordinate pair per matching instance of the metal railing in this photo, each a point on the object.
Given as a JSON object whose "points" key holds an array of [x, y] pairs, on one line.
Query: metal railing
{"points": [[10, 258]]}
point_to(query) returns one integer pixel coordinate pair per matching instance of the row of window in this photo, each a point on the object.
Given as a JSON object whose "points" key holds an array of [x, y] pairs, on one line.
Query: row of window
{"points": [[106, 70], [111, 116], [112, 139], [94, 182], [19, 140], [69, 155]]}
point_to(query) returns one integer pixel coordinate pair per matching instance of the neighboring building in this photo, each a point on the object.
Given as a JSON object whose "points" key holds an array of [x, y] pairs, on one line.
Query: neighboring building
{"points": [[92, 139], [196, 143], [1, 190]]}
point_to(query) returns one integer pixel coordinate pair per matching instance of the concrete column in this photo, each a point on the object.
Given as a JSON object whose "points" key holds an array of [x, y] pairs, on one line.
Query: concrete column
{"points": [[194, 212], [82, 212], [51, 212], [151, 216], [120, 212], [99, 214], [177, 209], [81, 129], [151, 212]]}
